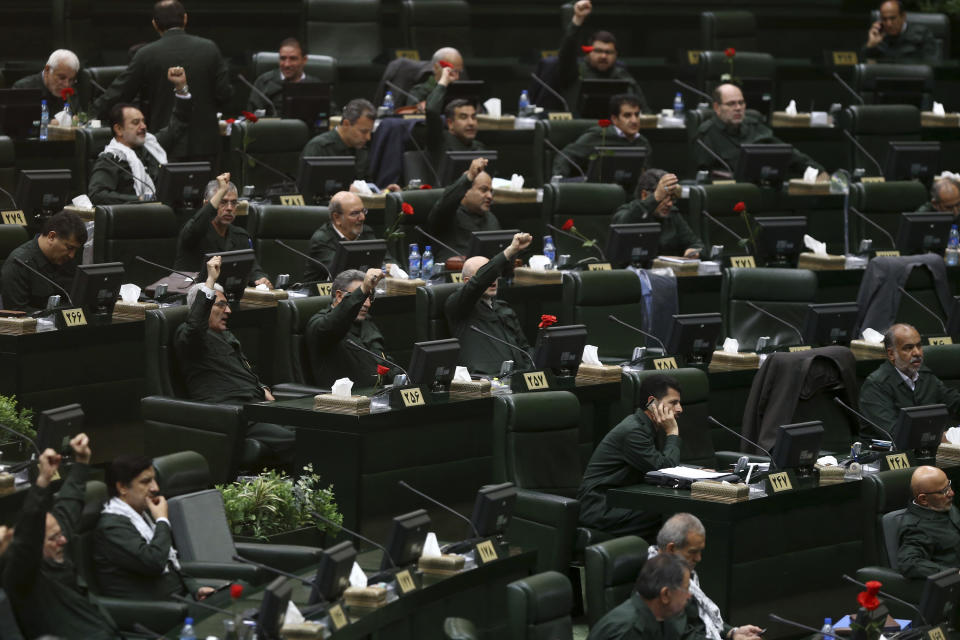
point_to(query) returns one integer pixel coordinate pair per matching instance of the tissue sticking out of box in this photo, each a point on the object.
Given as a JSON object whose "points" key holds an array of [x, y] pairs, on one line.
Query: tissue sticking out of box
{"points": [[730, 345], [82, 202], [953, 435], [791, 108], [293, 615], [431, 548], [827, 461], [871, 336], [398, 273], [810, 174], [539, 263], [493, 107], [461, 374], [818, 248], [129, 293], [342, 388], [361, 188], [357, 577], [590, 355], [938, 109]]}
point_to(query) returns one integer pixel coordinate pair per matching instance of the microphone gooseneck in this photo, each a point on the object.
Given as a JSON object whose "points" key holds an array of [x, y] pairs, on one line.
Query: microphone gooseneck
{"points": [[553, 92], [713, 420], [258, 92], [867, 420], [777, 318], [715, 155], [61, 289], [873, 224], [924, 307], [613, 318], [474, 327]]}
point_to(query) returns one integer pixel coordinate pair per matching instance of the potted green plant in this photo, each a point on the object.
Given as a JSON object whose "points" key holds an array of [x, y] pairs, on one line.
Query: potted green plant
{"points": [[273, 507], [20, 420]]}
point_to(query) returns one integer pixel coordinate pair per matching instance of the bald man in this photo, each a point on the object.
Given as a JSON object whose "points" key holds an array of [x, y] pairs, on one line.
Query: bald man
{"points": [[441, 58], [893, 39], [347, 223], [903, 381], [930, 529], [944, 197], [464, 208], [475, 303]]}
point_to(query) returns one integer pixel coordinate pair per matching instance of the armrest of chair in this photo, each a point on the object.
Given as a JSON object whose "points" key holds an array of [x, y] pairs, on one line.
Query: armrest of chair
{"points": [[293, 390], [232, 571], [894, 583], [547, 523], [287, 557], [157, 616], [225, 419]]}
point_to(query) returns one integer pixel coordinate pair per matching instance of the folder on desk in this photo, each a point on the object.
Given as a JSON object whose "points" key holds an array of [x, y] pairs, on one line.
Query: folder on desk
{"points": [[683, 477]]}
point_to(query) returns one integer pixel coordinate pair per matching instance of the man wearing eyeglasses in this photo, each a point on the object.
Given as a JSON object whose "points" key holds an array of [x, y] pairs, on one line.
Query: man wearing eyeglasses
{"points": [[211, 230], [730, 127], [944, 197], [347, 223], [930, 529]]}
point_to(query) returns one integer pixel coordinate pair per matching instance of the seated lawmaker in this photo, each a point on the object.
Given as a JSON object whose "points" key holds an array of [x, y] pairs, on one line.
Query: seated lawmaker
{"points": [[930, 529], [893, 39], [647, 440], [126, 171], [654, 610], [944, 198], [464, 208], [214, 368], [291, 61], [347, 318], [54, 253], [346, 224], [731, 126], [903, 381], [461, 129], [623, 132], [653, 201], [211, 230], [350, 138], [133, 544], [445, 56], [58, 74], [475, 303]]}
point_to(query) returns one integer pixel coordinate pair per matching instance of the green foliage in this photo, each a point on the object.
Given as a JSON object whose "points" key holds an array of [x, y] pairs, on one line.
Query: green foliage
{"points": [[273, 503], [20, 421]]}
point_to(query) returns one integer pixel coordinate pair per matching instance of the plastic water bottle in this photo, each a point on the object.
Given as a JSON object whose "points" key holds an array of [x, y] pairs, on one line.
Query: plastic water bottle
{"points": [[952, 255], [523, 105], [388, 103], [187, 632], [44, 119], [678, 105], [413, 261], [68, 116], [550, 251], [827, 628], [426, 263]]}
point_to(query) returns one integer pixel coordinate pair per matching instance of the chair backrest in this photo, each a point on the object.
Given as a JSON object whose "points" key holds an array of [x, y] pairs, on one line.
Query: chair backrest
{"points": [[199, 524], [162, 375], [890, 522], [783, 292], [431, 24], [431, 319], [346, 29], [422, 200], [590, 205], [938, 23], [883, 202], [718, 200], [518, 151], [103, 76], [182, 472], [883, 493], [866, 77], [944, 361], [323, 68], [278, 143], [292, 361], [875, 126], [539, 607], [722, 29], [880, 303], [756, 70], [590, 296], [8, 621], [292, 225], [122, 231], [560, 133], [90, 143], [8, 168], [610, 572], [11, 237], [82, 546]]}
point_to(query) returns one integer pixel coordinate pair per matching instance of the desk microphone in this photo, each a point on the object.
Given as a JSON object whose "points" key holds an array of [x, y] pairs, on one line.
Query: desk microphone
{"points": [[613, 318], [848, 88], [552, 91], [875, 225], [304, 255], [887, 595], [386, 554], [7, 193], [61, 289], [96, 85], [146, 631], [925, 308], [688, 87], [151, 189], [716, 156], [596, 246], [269, 569], [741, 241], [258, 92], [441, 505], [201, 603], [186, 276], [583, 174], [713, 420], [777, 318], [791, 623], [376, 355], [400, 89], [863, 150], [23, 437], [287, 178], [424, 156], [436, 241], [867, 420], [473, 327]]}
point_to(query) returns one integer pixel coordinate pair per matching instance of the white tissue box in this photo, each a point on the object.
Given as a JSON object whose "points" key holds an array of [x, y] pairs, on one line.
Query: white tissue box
{"points": [[254, 297], [799, 187], [365, 597], [723, 361], [598, 374], [302, 631], [489, 123], [816, 262], [132, 310], [863, 350], [948, 455], [514, 196], [400, 287], [18, 326], [375, 201], [716, 491], [56, 132], [85, 214], [784, 119], [472, 389], [352, 406], [930, 119], [445, 565], [680, 266], [830, 474], [525, 276]]}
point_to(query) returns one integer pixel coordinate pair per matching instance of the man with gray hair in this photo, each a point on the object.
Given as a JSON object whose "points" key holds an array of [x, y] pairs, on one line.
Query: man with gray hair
{"points": [[445, 57], [58, 74], [211, 230], [944, 197], [347, 223], [684, 536]]}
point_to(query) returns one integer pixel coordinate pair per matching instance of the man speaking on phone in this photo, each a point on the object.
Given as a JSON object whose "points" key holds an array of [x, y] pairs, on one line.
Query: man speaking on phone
{"points": [[647, 440]]}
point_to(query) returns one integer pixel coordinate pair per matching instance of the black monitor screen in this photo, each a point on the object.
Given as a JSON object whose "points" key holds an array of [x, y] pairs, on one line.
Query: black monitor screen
{"points": [[19, 109], [490, 243], [273, 608], [617, 165], [433, 363], [797, 445], [96, 287], [899, 91], [595, 96], [180, 185], [941, 589], [919, 429], [43, 192], [56, 426], [635, 244], [307, 101], [407, 536], [333, 574], [694, 336], [763, 163], [560, 348], [912, 161], [493, 509], [457, 162], [358, 254], [781, 239], [322, 176], [472, 91], [923, 232], [830, 323], [234, 271]]}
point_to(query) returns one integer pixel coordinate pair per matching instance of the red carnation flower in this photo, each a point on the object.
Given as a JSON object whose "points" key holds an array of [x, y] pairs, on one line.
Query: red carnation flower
{"points": [[382, 370], [231, 120], [730, 52], [425, 186], [251, 117], [604, 123], [407, 208], [567, 225], [66, 92], [587, 48], [547, 320], [740, 207], [868, 599], [236, 590], [445, 64]]}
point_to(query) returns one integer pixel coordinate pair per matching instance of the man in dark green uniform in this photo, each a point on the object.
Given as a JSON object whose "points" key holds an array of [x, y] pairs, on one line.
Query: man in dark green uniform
{"points": [[463, 209], [291, 61], [653, 202], [645, 441], [475, 303], [347, 223], [127, 169], [144, 75], [893, 39], [347, 318], [903, 381], [930, 529], [441, 58], [461, 131], [599, 63], [731, 126], [215, 370], [624, 131], [944, 198], [211, 229], [53, 253], [654, 610], [350, 138], [58, 74], [38, 574]]}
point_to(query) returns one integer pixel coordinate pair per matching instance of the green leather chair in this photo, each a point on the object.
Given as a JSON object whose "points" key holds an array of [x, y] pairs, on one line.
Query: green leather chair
{"points": [[539, 607], [11, 237], [611, 569], [294, 226], [278, 143], [431, 319], [8, 168], [102, 76], [89, 144], [722, 29], [323, 68], [348, 30], [123, 231], [590, 205], [181, 472], [944, 361], [865, 77], [518, 151], [292, 361], [590, 296], [430, 24], [883, 202], [422, 200], [782, 292], [718, 200], [938, 23], [759, 69], [875, 126], [560, 133]]}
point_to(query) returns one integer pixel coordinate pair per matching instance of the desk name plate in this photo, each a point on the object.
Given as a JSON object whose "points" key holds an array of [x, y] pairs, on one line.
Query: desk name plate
{"points": [[71, 318], [292, 200], [599, 266], [338, 617], [13, 217], [324, 288], [743, 262], [940, 340], [780, 482], [486, 552], [406, 582], [886, 253], [895, 461], [801, 347], [665, 363], [936, 633]]}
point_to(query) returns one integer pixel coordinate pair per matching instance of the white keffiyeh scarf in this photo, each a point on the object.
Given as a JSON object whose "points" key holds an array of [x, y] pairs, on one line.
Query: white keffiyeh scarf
{"points": [[709, 611], [143, 183], [144, 526]]}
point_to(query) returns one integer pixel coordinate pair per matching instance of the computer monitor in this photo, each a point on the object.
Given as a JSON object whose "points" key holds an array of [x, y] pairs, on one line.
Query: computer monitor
{"points": [[617, 165], [595, 94], [635, 244], [55, 427], [433, 363], [307, 101], [473, 91], [830, 323], [493, 509], [273, 608], [763, 163], [780, 239], [43, 192], [19, 109], [797, 446], [940, 589], [560, 348], [888, 90], [490, 243], [333, 573], [96, 287], [912, 161], [456, 162], [694, 336], [358, 254], [923, 232], [919, 429], [234, 271], [953, 319], [322, 176], [180, 185], [406, 539]]}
